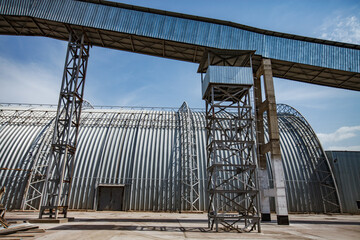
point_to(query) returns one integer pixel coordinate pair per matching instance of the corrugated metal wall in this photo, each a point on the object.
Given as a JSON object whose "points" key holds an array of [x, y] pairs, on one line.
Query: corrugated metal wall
{"points": [[346, 167], [305, 165], [185, 30], [140, 148], [227, 75]]}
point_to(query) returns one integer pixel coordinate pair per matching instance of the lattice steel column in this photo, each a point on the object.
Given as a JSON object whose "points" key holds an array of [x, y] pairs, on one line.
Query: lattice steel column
{"points": [[232, 185], [190, 182], [61, 164], [39, 156]]}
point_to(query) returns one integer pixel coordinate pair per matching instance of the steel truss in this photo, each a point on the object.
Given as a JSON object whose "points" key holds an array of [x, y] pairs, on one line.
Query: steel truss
{"points": [[190, 182], [59, 173], [231, 162], [38, 156], [324, 174]]}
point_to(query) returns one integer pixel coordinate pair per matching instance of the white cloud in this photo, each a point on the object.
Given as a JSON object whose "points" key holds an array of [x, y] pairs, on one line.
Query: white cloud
{"points": [[342, 148], [339, 135], [132, 98], [28, 82], [343, 29], [306, 93]]}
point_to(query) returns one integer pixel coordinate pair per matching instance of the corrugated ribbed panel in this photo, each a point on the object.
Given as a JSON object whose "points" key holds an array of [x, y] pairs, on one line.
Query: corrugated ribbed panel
{"points": [[18, 129], [300, 168], [185, 30], [304, 163], [15, 7], [140, 148], [227, 75], [346, 167]]}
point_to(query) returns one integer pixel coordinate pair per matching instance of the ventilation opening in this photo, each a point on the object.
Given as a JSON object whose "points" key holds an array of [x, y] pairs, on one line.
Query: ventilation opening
{"points": [[358, 204]]}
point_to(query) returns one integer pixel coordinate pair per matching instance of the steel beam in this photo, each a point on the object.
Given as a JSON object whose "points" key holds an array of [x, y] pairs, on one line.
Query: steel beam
{"points": [[64, 142]]}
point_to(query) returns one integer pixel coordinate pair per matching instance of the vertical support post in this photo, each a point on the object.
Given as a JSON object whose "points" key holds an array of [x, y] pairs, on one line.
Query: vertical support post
{"points": [[60, 170], [262, 165], [272, 146]]}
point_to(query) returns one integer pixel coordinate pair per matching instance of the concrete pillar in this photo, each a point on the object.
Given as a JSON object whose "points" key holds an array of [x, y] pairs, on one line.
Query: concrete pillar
{"points": [[262, 165], [264, 199], [273, 146]]}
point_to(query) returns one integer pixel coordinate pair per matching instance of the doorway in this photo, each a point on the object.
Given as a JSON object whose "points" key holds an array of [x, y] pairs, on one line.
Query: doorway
{"points": [[110, 197]]}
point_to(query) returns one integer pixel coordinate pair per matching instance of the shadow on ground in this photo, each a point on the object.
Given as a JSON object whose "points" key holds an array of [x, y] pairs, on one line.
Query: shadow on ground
{"points": [[323, 222], [130, 228], [140, 220]]}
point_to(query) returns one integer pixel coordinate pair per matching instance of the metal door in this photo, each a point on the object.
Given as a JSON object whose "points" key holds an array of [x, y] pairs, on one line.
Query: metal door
{"points": [[110, 198]]}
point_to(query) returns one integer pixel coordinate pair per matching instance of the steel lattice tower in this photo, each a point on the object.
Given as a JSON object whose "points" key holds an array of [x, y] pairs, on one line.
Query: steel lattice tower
{"points": [[39, 155], [61, 165], [190, 182], [231, 160], [232, 184]]}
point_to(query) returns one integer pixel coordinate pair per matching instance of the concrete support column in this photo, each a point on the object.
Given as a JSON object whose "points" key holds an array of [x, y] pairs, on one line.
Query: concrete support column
{"points": [[272, 146], [264, 199], [262, 165], [279, 187]]}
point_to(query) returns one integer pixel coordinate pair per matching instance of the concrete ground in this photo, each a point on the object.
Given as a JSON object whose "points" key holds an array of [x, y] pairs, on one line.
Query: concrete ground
{"points": [[149, 225]]}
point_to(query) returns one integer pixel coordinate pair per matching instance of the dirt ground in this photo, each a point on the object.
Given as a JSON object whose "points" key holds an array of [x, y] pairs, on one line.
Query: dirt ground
{"points": [[149, 225]]}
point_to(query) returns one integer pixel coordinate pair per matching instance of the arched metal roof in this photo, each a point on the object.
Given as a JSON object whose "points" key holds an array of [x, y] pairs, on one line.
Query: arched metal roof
{"points": [[141, 149], [183, 37]]}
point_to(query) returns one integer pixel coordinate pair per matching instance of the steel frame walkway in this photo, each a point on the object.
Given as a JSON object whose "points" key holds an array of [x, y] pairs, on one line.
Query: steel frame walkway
{"points": [[183, 37]]}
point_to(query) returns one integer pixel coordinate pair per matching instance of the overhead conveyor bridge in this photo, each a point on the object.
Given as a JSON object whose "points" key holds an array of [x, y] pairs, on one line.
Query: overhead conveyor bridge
{"points": [[183, 37]]}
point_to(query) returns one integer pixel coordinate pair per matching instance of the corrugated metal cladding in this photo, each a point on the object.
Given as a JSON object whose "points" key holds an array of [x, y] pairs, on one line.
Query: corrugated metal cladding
{"points": [[140, 149], [185, 30], [346, 167], [227, 75]]}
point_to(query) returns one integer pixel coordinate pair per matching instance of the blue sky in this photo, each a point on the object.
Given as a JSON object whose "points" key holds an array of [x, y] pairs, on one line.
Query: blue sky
{"points": [[31, 67]]}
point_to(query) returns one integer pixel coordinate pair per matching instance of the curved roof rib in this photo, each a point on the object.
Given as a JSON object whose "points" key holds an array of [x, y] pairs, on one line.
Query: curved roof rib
{"points": [[183, 37], [142, 150], [306, 164]]}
